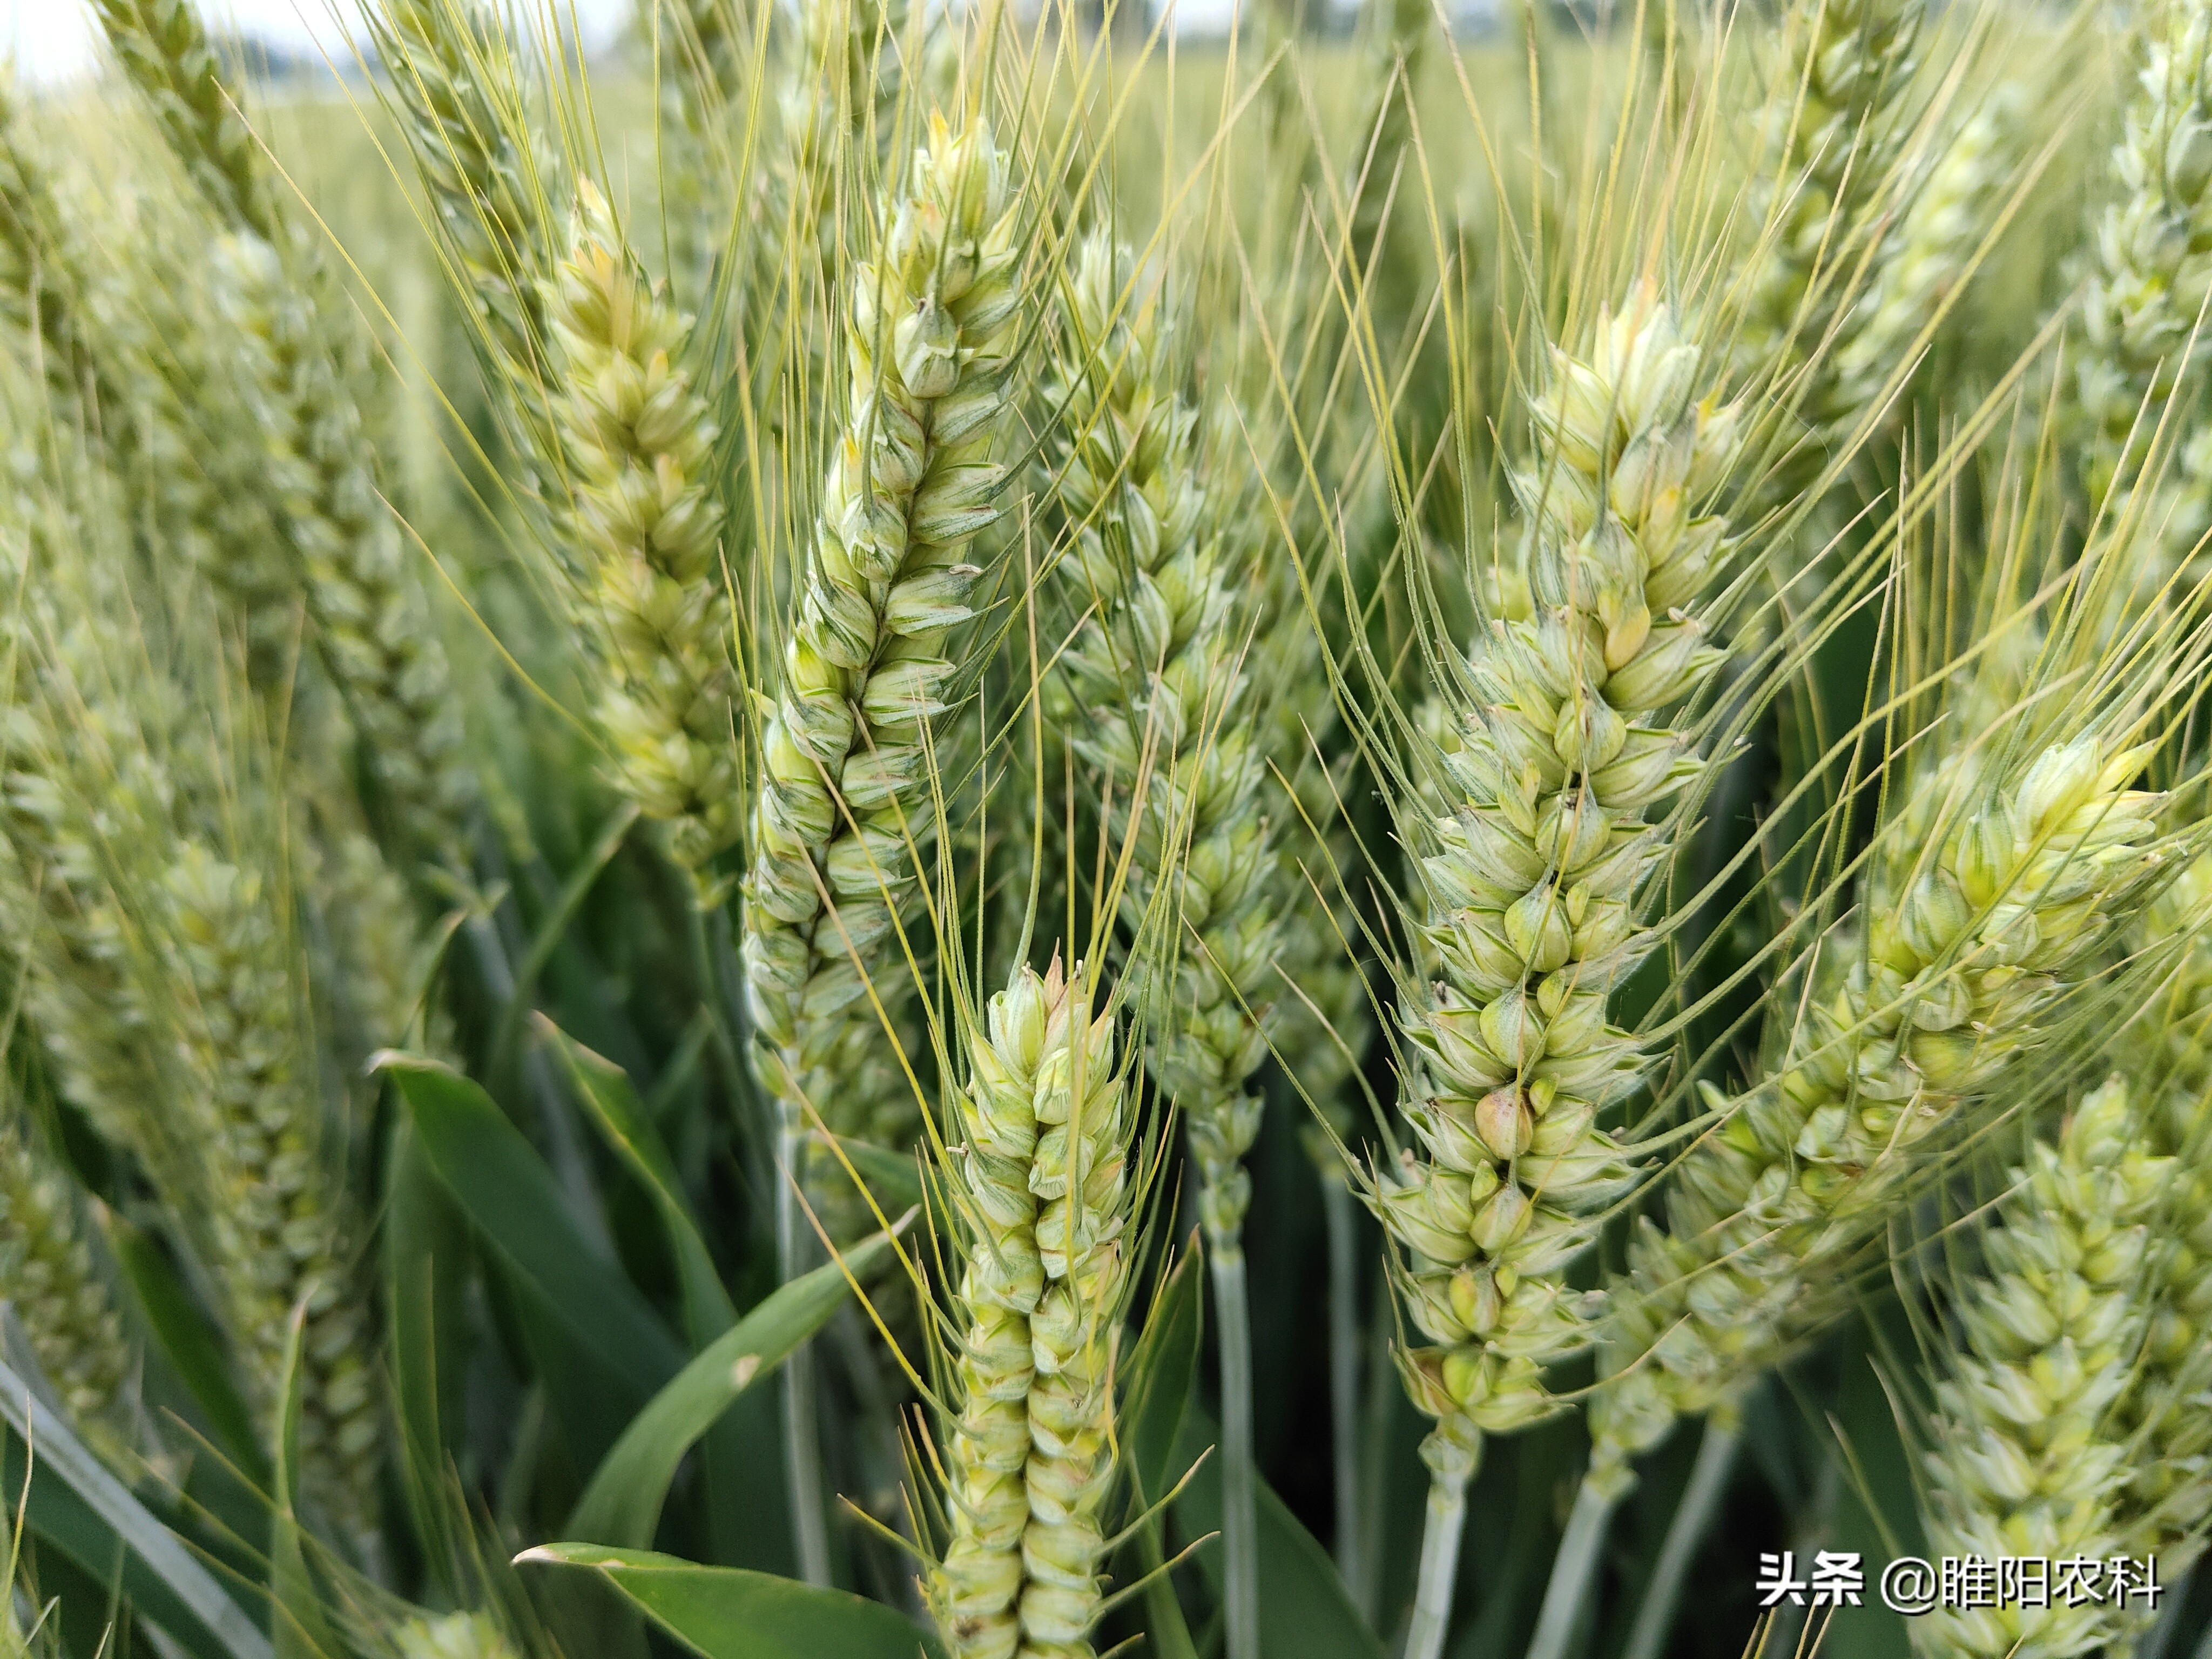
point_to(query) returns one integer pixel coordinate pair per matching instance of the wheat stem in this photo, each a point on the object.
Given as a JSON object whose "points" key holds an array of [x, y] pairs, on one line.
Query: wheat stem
{"points": [[1240, 1560], [1686, 1531], [1345, 1340], [1450, 1451], [1566, 1597]]}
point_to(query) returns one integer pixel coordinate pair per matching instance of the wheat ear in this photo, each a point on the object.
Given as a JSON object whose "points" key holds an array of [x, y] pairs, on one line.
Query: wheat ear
{"points": [[277, 1223], [1530, 886], [654, 604], [2022, 1459], [46, 1263], [2002, 911], [843, 789], [373, 628], [457, 96], [1151, 690], [2142, 344], [2164, 1419], [1043, 1187], [1829, 134]]}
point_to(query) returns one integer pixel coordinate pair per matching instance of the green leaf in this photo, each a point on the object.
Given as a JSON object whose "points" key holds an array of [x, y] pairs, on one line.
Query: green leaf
{"points": [[189, 1342], [1304, 1613], [622, 1504], [91, 1517], [517, 1208], [727, 1613], [892, 1176], [426, 1264], [1161, 1373], [621, 1119]]}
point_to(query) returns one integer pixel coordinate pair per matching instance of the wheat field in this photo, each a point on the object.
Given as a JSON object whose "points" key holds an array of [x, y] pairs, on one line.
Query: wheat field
{"points": [[859, 831]]}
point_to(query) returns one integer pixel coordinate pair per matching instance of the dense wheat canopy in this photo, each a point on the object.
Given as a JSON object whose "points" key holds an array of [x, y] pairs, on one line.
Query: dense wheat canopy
{"points": [[859, 829]]}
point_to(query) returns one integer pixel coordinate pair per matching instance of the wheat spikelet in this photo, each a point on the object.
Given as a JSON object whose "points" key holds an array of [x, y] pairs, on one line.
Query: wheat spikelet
{"points": [[2006, 886], [1044, 1190], [1531, 884]]}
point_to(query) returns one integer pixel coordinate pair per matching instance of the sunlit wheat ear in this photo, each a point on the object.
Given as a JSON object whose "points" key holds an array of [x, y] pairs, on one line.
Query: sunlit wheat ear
{"points": [[652, 606], [844, 783], [1042, 1183], [2013, 874], [1527, 921], [2143, 338], [2023, 1457], [1153, 686], [46, 1263]]}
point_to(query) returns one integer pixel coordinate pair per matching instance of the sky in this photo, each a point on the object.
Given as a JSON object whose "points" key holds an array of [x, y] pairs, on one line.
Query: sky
{"points": [[52, 40]]}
